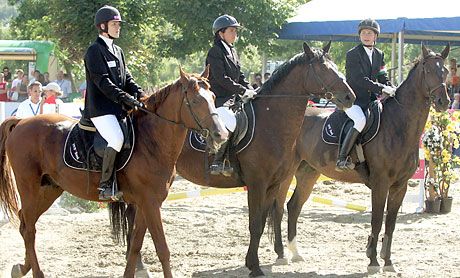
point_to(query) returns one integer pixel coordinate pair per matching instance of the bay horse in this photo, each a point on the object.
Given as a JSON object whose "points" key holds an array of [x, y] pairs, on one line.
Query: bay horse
{"points": [[32, 148], [391, 156], [279, 109]]}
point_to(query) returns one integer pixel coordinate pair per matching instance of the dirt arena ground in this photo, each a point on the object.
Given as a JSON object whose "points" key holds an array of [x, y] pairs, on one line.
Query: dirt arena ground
{"points": [[208, 237]]}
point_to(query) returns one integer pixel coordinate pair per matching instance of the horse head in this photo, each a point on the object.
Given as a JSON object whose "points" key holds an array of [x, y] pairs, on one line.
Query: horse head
{"points": [[434, 76], [326, 76], [199, 111]]}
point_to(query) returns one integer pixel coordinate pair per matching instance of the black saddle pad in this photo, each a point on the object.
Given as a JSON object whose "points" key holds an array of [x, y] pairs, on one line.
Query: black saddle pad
{"points": [[338, 123], [81, 153], [241, 138]]}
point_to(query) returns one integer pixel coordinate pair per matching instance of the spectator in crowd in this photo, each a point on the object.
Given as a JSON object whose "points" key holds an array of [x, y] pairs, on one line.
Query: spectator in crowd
{"points": [[15, 84], [266, 76], [46, 77], [64, 84], [31, 106], [456, 101], [453, 80], [35, 76], [6, 74], [50, 103], [257, 80], [23, 93], [82, 89], [366, 74], [3, 88]]}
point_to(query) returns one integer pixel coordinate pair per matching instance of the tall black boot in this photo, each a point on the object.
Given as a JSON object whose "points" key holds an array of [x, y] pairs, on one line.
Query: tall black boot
{"points": [[106, 189], [344, 163], [219, 165]]}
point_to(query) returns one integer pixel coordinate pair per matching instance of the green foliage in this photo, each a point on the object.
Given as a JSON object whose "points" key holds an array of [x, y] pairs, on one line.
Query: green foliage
{"points": [[69, 201]]}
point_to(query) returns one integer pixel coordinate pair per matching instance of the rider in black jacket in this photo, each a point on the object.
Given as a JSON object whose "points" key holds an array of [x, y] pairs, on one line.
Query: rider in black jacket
{"points": [[110, 91]]}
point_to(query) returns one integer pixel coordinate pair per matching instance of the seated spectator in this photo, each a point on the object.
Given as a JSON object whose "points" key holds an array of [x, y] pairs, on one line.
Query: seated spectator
{"points": [[257, 81], [64, 84], [50, 102], [456, 102], [31, 106], [3, 88]]}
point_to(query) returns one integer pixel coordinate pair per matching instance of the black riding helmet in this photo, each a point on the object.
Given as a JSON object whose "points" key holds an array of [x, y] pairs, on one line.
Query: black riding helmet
{"points": [[224, 21], [369, 23], [104, 15]]}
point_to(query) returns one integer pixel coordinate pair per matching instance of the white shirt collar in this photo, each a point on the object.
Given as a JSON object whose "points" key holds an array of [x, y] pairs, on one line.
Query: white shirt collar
{"points": [[229, 51], [369, 52], [108, 42]]}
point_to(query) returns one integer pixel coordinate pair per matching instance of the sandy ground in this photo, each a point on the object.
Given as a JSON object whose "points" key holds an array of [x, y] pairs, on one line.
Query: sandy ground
{"points": [[208, 237]]}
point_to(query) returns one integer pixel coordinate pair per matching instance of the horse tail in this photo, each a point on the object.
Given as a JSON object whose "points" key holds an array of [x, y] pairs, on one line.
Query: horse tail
{"points": [[8, 194], [117, 212]]}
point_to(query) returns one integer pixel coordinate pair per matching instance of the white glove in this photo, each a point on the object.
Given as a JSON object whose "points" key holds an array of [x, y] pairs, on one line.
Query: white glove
{"points": [[391, 91], [248, 94]]}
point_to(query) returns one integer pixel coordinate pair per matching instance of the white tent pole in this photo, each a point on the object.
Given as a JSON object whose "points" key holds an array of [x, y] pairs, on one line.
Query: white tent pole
{"points": [[394, 37], [400, 56]]}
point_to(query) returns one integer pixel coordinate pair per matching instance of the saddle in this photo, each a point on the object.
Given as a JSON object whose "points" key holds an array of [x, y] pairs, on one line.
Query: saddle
{"points": [[338, 124], [84, 146], [241, 137]]}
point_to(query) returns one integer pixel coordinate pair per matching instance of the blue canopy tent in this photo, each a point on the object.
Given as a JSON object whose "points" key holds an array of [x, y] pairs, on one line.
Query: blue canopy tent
{"points": [[410, 21]]}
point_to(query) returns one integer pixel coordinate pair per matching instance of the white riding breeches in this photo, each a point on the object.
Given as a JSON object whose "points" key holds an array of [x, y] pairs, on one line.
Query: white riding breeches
{"points": [[110, 130], [357, 115]]}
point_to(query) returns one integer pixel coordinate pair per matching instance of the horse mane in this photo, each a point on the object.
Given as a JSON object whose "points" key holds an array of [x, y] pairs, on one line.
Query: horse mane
{"points": [[284, 69], [154, 100]]}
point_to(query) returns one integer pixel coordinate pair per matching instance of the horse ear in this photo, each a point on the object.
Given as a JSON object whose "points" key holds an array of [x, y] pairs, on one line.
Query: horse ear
{"points": [[183, 76], [446, 51], [327, 47], [307, 49], [205, 73], [425, 51]]}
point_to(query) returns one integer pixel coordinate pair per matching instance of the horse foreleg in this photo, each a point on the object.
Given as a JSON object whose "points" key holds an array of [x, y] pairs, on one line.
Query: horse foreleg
{"points": [[379, 194], [152, 217], [258, 211], [306, 178], [136, 239], [395, 199]]}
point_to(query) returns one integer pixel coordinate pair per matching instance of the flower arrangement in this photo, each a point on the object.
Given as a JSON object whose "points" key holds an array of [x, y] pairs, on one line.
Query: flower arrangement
{"points": [[439, 140]]}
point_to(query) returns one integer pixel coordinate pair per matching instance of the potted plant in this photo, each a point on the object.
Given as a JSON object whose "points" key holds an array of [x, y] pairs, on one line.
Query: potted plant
{"points": [[439, 141]]}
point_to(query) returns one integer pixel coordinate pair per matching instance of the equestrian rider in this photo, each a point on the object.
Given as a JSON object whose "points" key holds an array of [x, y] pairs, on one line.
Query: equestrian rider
{"points": [[226, 78], [367, 76], [111, 91]]}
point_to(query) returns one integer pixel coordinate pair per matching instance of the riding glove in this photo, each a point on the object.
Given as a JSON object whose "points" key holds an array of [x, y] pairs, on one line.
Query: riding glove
{"points": [[391, 91], [130, 101], [248, 94]]}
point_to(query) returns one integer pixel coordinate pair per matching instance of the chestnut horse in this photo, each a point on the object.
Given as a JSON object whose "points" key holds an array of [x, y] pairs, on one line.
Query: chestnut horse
{"points": [[32, 149], [391, 157], [279, 109]]}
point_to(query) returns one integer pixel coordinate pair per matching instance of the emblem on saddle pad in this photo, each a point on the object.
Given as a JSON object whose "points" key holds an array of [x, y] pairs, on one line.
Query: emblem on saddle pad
{"points": [[329, 131]]}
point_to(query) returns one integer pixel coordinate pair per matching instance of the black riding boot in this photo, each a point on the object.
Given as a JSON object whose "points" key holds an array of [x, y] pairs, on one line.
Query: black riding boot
{"points": [[221, 165], [106, 188], [344, 162]]}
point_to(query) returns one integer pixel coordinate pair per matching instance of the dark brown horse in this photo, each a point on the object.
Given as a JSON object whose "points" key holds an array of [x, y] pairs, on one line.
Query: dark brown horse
{"points": [[279, 110], [391, 157], [33, 147]]}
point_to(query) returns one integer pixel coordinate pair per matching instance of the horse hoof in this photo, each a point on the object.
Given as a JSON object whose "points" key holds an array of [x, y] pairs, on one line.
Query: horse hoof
{"points": [[297, 258], [256, 273], [281, 261], [143, 273], [373, 269], [389, 268], [16, 271]]}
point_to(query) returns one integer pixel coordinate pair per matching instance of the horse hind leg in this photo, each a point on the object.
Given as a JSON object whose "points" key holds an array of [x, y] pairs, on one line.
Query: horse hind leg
{"points": [[135, 235], [306, 178], [32, 209], [395, 198]]}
